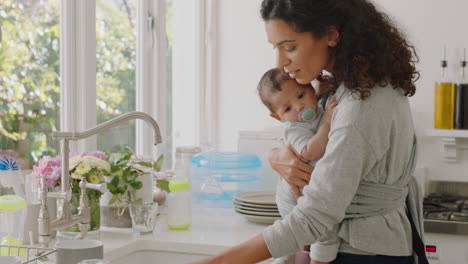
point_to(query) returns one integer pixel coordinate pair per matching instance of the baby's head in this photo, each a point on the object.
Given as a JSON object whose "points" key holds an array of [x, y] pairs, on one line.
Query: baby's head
{"points": [[286, 99]]}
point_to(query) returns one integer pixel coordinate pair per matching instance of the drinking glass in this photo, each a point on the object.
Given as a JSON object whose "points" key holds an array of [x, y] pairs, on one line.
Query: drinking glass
{"points": [[143, 217]]}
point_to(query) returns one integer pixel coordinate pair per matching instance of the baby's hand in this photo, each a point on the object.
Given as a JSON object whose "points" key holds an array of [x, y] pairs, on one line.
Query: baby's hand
{"points": [[329, 110]]}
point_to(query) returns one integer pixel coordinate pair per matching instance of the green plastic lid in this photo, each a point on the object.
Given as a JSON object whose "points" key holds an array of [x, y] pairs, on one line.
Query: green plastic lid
{"points": [[179, 185], [11, 203], [7, 251]]}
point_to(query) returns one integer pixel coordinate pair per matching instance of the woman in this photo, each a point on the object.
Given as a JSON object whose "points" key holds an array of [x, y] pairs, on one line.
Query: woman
{"points": [[365, 176]]}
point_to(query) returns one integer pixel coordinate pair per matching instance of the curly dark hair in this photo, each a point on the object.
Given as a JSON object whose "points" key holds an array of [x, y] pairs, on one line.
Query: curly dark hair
{"points": [[371, 50]]}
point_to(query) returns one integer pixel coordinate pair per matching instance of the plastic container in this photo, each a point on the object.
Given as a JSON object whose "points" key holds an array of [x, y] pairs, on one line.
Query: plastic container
{"points": [[12, 206], [179, 210], [217, 176]]}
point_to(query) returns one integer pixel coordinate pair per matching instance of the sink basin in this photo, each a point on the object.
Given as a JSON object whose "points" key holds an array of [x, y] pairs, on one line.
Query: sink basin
{"points": [[158, 252], [150, 251], [156, 256]]}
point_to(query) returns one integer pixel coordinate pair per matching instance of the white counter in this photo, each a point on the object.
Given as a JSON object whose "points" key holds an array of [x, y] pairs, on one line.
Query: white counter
{"points": [[213, 230]]}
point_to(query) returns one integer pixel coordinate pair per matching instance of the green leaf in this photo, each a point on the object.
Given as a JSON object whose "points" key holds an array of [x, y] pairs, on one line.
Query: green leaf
{"points": [[146, 164], [130, 176], [122, 189], [114, 199], [127, 155], [115, 181], [115, 168], [134, 174], [125, 178], [113, 185], [136, 185], [158, 164], [163, 185]]}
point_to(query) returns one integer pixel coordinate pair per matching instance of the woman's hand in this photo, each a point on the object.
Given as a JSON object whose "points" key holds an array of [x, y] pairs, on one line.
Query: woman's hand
{"points": [[295, 171]]}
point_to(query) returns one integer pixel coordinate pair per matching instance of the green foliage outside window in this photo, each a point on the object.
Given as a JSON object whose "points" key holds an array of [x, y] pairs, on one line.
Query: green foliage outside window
{"points": [[29, 81], [30, 66]]}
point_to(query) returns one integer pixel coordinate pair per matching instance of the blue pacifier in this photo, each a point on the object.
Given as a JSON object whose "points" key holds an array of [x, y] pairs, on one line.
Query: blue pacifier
{"points": [[308, 113]]}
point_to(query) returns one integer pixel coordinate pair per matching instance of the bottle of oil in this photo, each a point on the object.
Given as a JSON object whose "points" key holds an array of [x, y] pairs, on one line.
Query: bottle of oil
{"points": [[461, 98], [444, 108]]}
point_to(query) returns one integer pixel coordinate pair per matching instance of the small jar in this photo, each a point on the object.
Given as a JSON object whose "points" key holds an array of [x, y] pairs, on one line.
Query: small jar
{"points": [[179, 209]]}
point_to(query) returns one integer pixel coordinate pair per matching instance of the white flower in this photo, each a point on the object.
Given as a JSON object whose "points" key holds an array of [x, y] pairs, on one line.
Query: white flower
{"points": [[83, 168], [94, 179], [74, 162], [76, 175], [103, 165], [101, 177], [93, 161]]}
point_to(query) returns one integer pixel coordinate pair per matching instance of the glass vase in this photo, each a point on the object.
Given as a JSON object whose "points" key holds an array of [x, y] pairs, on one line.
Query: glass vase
{"points": [[94, 210]]}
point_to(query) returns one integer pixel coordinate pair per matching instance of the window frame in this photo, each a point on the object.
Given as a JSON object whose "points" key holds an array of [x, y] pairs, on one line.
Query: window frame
{"points": [[207, 71], [78, 70]]}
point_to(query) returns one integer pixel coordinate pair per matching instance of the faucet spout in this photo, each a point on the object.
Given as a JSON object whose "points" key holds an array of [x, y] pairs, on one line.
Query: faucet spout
{"points": [[111, 123]]}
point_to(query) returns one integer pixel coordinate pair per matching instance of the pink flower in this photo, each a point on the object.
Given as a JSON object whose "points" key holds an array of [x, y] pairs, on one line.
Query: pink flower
{"points": [[50, 167]]}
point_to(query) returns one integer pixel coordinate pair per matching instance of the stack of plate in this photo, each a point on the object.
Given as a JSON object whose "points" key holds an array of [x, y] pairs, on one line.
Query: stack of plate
{"points": [[258, 207]]}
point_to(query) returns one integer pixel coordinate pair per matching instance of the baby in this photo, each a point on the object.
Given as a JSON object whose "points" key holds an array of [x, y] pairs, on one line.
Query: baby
{"points": [[306, 128]]}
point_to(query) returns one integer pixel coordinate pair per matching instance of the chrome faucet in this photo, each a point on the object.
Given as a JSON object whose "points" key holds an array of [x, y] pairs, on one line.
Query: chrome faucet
{"points": [[64, 217]]}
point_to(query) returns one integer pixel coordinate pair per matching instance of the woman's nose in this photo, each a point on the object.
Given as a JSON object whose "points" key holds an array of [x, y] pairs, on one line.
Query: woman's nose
{"points": [[282, 60]]}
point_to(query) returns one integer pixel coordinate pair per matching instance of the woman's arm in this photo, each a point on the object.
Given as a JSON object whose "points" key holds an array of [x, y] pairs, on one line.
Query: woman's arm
{"points": [[251, 251], [291, 167], [349, 158]]}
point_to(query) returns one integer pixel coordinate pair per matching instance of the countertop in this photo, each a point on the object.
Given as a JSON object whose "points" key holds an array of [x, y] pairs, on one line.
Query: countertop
{"points": [[212, 231], [220, 227]]}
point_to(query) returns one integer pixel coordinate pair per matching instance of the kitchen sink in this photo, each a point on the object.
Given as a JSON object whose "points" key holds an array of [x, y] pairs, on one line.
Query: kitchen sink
{"points": [[159, 252], [157, 256], [150, 251]]}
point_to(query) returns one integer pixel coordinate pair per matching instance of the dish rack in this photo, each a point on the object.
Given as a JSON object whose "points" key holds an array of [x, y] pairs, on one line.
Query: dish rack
{"points": [[27, 255]]}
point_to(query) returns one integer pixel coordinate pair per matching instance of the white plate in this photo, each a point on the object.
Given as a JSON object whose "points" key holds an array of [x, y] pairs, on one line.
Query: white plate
{"points": [[257, 213], [260, 219], [260, 197], [256, 206], [253, 209]]}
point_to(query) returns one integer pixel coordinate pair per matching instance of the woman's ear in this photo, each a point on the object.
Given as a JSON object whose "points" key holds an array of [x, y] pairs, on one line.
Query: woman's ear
{"points": [[333, 36]]}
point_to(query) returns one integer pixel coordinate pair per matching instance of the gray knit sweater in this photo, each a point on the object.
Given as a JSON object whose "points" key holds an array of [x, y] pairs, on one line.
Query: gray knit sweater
{"points": [[370, 141]]}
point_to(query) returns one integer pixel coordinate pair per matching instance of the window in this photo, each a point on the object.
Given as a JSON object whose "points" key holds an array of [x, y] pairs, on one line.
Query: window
{"points": [[116, 38], [115, 66], [29, 77], [69, 65]]}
